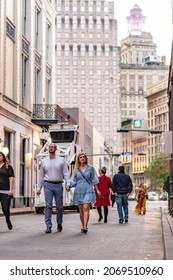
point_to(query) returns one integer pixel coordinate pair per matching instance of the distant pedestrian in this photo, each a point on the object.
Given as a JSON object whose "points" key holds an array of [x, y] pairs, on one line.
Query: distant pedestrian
{"points": [[112, 198], [84, 179], [6, 187], [103, 194], [122, 186], [141, 197], [53, 171]]}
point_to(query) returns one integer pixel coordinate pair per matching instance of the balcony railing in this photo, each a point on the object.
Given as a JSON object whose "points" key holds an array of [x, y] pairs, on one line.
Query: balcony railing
{"points": [[47, 114]]}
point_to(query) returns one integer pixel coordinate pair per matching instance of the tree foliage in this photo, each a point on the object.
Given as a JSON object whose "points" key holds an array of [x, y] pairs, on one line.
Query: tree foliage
{"points": [[158, 171]]}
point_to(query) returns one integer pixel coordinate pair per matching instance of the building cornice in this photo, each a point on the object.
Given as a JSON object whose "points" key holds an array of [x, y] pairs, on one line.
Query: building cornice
{"points": [[18, 120]]}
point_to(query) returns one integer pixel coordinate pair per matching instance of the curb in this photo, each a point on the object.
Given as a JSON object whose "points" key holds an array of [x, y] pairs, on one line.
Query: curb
{"points": [[18, 212], [167, 235]]}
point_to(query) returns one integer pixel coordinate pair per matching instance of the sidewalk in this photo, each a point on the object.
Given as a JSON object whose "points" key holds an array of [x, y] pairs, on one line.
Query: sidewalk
{"points": [[167, 228], [20, 211]]}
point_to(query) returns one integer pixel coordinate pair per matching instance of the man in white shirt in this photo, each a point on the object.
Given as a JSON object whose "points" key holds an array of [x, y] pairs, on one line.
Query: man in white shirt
{"points": [[53, 171]]}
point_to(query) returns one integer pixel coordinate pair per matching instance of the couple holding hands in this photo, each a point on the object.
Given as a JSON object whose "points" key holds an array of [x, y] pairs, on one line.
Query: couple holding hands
{"points": [[53, 171]]}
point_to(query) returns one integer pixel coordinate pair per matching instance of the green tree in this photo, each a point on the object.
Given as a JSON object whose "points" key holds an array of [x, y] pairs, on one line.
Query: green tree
{"points": [[158, 172], [166, 183]]}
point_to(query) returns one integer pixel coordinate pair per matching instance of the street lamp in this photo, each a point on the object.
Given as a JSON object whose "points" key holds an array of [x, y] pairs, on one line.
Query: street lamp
{"points": [[43, 136], [4, 149]]}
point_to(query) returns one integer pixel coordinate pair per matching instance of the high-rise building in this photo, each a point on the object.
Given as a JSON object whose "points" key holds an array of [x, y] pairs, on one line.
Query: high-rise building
{"points": [[158, 117], [140, 69], [140, 65], [87, 63]]}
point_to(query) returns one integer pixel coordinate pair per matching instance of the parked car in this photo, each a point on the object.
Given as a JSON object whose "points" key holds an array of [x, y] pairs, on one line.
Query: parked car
{"points": [[164, 196], [153, 196]]}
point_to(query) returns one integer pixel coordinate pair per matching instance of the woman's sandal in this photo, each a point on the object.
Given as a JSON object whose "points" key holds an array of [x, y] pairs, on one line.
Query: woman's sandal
{"points": [[85, 230]]}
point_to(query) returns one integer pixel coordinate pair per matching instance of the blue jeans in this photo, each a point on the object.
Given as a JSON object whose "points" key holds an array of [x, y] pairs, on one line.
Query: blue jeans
{"points": [[56, 191], [122, 206]]}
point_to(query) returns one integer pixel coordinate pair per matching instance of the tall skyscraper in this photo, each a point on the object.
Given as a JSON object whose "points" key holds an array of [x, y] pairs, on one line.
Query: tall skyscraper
{"points": [[87, 63], [140, 65]]}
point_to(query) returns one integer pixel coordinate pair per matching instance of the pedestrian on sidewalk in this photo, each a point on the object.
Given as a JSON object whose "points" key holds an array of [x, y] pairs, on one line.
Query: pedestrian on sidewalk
{"points": [[6, 187], [112, 198], [122, 186], [103, 195], [141, 197], [53, 172], [84, 179]]}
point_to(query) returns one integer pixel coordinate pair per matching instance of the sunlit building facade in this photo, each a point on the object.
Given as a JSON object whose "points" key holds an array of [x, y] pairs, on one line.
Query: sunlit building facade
{"points": [[87, 63], [27, 51], [140, 65]]}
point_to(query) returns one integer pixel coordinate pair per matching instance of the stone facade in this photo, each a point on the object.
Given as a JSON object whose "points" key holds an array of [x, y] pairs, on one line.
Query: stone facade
{"points": [[26, 77]]}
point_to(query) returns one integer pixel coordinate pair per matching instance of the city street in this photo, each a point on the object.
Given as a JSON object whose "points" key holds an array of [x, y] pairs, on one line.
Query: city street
{"points": [[140, 239]]}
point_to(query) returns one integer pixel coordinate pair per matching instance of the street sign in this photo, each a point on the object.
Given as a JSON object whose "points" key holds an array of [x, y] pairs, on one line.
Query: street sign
{"points": [[137, 123], [127, 153]]}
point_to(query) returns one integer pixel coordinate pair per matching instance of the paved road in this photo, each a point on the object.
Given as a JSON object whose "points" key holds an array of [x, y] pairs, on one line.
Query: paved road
{"points": [[140, 239]]}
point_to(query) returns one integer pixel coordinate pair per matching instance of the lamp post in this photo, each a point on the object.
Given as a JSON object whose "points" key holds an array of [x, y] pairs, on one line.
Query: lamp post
{"points": [[43, 136]]}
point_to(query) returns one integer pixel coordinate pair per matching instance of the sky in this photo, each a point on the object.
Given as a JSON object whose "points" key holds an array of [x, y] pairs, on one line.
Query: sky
{"points": [[158, 22]]}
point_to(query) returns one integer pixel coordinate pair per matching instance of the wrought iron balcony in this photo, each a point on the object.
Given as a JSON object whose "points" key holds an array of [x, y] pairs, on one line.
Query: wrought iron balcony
{"points": [[47, 114]]}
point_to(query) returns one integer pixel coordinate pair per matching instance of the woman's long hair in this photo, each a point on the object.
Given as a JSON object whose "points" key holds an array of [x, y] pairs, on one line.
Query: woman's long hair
{"points": [[4, 157], [77, 163]]}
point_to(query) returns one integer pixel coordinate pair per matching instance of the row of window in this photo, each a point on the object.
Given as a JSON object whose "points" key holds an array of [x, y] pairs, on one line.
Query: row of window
{"points": [[132, 91], [84, 81], [80, 7], [84, 100], [69, 23], [132, 105], [132, 98], [83, 54], [90, 35], [89, 72], [126, 113], [84, 91], [68, 62]]}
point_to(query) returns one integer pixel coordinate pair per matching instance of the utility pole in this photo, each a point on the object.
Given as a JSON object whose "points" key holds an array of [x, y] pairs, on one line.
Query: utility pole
{"points": [[170, 103]]}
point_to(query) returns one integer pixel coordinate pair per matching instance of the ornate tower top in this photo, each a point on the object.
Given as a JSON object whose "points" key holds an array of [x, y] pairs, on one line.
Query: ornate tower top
{"points": [[136, 21]]}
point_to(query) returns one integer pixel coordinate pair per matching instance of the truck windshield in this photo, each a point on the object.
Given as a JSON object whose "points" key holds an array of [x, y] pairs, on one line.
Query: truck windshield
{"points": [[62, 136]]}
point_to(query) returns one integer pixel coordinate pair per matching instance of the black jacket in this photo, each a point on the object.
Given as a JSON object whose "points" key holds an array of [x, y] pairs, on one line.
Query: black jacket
{"points": [[122, 183]]}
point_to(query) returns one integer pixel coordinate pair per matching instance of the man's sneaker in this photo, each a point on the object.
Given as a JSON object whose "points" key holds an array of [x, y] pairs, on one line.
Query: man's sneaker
{"points": [[126, 220], [120, 221], [48, 230], [59, 227]]}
